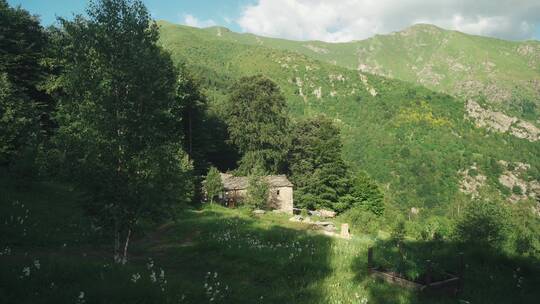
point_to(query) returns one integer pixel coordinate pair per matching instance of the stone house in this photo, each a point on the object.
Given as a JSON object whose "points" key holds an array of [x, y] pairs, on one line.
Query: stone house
{"points": [[280, 191]]}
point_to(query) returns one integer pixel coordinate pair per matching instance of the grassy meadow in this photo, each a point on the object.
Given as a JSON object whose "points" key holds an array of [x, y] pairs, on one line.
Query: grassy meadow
{"points": [[49, 253]]}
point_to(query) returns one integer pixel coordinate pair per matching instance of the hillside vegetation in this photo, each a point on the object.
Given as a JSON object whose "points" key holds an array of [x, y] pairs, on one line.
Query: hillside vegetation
{"points": [[418, 143], [504, 74]]}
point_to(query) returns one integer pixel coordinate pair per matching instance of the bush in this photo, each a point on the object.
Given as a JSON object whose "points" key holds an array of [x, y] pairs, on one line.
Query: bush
{"points": [[360, 217], [398, 234], [367, 193], [517, 190], [526, 229], [212, 184], [527, 243], [257, 192], [344, 203], [483, 223]]}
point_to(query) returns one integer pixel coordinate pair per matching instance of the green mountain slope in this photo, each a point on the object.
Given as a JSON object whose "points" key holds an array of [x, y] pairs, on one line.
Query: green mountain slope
{"points": [[419, 143], [505, 74]]}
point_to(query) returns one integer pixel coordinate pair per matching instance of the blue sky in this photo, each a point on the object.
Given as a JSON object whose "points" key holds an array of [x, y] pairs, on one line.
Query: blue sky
{"points": [[330, 20], [222, 12]]}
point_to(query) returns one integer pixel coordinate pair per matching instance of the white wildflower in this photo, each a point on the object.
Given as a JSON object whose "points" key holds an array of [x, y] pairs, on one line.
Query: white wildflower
{"points": [[37, 264], [150, 264], [26, 271], [6, 251], [80, 299], [135, 277]]}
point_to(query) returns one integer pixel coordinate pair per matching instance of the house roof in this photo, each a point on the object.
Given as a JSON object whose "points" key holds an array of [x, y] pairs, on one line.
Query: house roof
{"points": [[231, 182]]}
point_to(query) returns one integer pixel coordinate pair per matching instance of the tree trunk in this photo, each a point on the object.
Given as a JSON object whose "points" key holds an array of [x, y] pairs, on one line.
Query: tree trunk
{"points": [[116, 243], [124, 258], [190, 135]]}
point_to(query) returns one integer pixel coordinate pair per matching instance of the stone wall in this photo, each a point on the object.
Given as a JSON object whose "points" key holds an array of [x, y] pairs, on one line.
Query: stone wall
{"points": [[281, 198]]}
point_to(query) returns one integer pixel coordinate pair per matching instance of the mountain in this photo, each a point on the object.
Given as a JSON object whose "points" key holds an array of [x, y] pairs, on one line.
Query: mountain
{"points": [[504, 74], [428, 144]]}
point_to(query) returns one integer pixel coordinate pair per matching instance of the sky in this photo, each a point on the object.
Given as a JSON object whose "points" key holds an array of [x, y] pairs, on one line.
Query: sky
{"points": [[330, 20]]}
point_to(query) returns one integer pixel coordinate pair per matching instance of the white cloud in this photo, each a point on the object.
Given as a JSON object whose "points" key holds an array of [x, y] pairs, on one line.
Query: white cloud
{"points": [[193, 21], [346, 20]]}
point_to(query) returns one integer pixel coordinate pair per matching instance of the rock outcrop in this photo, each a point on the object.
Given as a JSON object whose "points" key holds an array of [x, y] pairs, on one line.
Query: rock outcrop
{"points": [[500, 122]]}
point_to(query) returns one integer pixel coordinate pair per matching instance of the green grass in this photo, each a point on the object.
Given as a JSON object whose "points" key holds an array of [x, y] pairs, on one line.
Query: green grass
{"points": [[263, 259]]}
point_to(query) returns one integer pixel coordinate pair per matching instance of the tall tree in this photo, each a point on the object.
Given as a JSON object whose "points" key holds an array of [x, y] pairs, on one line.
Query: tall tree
{"points": [[258, 123], [203, 147], [22, 50], [317, 169], [120, 122], [194, 107]]}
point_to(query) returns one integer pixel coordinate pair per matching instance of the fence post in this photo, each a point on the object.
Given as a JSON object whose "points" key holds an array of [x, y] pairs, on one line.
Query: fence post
{"points": [[461, 270], [428, 272], [370, 259]]}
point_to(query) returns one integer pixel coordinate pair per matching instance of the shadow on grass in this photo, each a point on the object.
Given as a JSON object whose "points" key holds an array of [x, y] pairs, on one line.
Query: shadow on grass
{"points": [[247, 260], [212, 255], [209, 256], [489, 276]]}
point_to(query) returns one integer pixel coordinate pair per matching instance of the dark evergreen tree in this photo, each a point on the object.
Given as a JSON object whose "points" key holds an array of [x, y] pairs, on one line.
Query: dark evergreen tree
{"points": [[205, 133], [194, 112], [317, 169], [258, 123]]}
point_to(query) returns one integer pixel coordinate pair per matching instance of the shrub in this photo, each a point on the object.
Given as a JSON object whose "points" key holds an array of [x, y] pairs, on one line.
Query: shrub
{"points": [[367, 193], [344, 203], [257, 192], [360, 217], [483, 223], [398, 234], [212, 184], [517, 190], [435, 228], [526, 229], [527, 243]]}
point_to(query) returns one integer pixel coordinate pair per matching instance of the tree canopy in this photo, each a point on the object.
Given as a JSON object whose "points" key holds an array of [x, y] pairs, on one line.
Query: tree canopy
{"points": [[258, 123], [315, 163], [22, 49], [120, 123]]}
